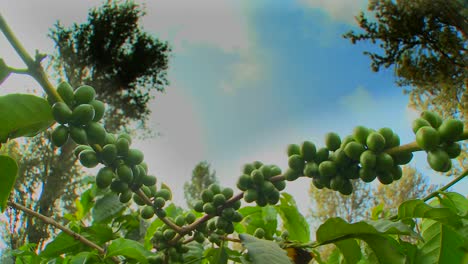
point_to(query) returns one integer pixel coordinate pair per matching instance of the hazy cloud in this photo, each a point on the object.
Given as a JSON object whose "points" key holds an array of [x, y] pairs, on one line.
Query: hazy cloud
{"points": [[339, 10]]}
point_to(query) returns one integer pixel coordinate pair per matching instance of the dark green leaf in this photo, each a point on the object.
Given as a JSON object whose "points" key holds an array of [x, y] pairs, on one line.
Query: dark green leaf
{"points": [[419, 209], [263, 251], [9, 171], [293, 220], [442, 244], [350, 250], [107, 208], [128, 248], [337, 228], [82, 258], [455, 201], [23, 115], [63, 243]]}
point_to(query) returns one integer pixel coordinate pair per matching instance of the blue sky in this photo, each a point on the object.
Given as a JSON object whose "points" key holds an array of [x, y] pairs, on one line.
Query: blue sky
{"points": [[247, 78]]}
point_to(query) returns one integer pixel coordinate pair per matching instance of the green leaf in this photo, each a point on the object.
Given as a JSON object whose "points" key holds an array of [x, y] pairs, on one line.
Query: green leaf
{"points": [[350, 250], [419, 209], [455, 201], [23, 115], [442, 244], [374, 233], [107, 207], [386, 249], [82, 258], [9, 171], [63, 243], [128, 248], [150, 232], [293, 220], [336, 228], [263, 251], [4, 71]]}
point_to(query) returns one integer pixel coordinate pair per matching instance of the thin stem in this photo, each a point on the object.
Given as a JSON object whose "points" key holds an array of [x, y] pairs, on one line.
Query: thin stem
{"points": [[18, 71], [34, 67], [65, 229], [448, 185], [165, 220]]}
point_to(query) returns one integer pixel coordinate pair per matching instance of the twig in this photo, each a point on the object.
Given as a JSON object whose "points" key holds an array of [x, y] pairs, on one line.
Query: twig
{"points": [[34, 67], [65, 229], [448, 185]]}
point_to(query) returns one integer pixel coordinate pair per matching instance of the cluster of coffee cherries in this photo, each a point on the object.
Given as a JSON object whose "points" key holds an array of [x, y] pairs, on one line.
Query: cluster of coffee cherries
{"points": [[215, 202], [256, 182], [361, 155], [162, 237], [124, 170], [438, 138]]}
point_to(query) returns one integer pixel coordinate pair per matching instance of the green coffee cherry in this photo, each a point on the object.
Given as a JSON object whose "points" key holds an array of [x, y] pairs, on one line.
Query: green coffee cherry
{"points": [[244, 182], [104, 177], [453, 149], [354, 150], [291, 175], [80, 148], [198, 206], [109, 153], [259, 233], [159, 202], [227, 192], [322, 155], [149, 180], [296, 162], [209, 208], [219, 199], [427, 138], [180, 220], [257, 176], [385, 177], [403, 158], [65, 91], [78, 134], [360, 134], [126, 196], [61, 112], [266, 171], [60, 135], [293, 149], [433, 118], [311, 170], [367, 175], [450, 130], [418, 123], [439, 160], [308, 151], [327, 169], [123, 146], [88, 158], [248, 168], [99, 109], [84, 94], [368, 159], [190, 218], [336, 182], [119, 186], [134, 157], [82, 115], [375, 142], [384, 162], [332, 141], [110, 139], [125, 173], [250, 195], [164, 193], [280, 185], [387, 133], [95, 133], [147, 212], [346, 188]]}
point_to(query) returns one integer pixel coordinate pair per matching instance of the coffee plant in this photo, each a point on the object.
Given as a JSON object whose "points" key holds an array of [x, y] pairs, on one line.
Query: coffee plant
{"points": [[221, 228]]}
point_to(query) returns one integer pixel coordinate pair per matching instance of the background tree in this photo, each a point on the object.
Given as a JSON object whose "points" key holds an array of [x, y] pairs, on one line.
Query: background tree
{"points": [[426, 42], [124, 64], [114, 55], [202, 177]]}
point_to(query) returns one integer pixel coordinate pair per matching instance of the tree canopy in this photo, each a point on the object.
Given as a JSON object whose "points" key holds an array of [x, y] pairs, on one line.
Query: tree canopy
{"points": [[426, 43], [112, 53]]}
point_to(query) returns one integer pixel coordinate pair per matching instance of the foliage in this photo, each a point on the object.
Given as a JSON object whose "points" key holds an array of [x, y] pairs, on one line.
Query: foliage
{"points": [[113, 54], [426, 42], [202, 177], [121, 202]]}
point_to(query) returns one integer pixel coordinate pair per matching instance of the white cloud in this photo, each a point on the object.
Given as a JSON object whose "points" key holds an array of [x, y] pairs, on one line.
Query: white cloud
{"points": [[359, 101], [210, 22], [340, 10], [173, 155]]}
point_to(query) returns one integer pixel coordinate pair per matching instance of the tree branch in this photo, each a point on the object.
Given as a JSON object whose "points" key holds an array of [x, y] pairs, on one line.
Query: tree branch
{"points": [[65, 229]]}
